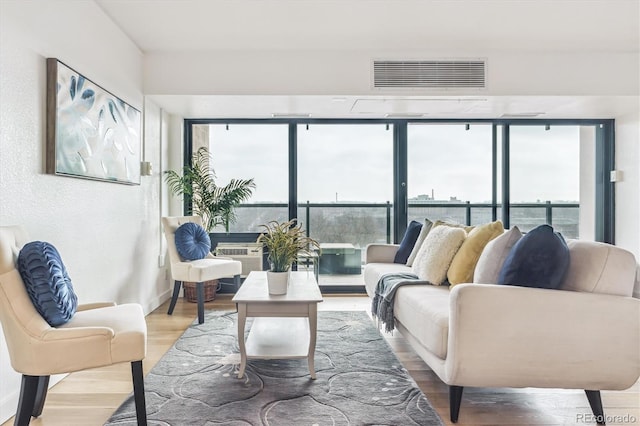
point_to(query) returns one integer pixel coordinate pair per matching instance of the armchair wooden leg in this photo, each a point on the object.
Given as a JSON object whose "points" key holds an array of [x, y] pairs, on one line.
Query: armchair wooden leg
{"points": [[237, 282], [455, 397], [138, 392], [595, 401], [174, 298], [41, 395], [28, 391], [200, 292]]}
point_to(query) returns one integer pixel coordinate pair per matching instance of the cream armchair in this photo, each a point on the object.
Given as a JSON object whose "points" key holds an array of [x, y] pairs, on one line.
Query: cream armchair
{"points": [[99, 334], [198, 271]]}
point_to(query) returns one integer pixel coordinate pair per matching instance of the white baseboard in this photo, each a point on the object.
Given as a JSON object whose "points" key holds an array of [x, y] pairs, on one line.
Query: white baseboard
{"points": [[9, 403], [152, 304]]}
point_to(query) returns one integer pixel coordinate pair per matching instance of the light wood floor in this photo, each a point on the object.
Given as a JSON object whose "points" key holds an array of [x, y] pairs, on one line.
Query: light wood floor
{"points": [[88, 398]]}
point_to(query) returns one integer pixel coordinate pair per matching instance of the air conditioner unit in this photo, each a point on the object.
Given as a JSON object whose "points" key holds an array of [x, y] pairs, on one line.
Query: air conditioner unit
{"points": [[249, 254]]}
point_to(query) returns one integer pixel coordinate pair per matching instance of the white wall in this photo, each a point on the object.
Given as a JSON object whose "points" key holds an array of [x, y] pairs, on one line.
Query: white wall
{"points": [[627, 192], [107, 234], [175, 160], [587, 227], [311, 72]]}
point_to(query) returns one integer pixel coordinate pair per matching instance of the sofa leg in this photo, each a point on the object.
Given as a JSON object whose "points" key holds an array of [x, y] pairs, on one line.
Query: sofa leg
{"points": [[138, 392], [41, 395], [455, 397], [595, 401], [174, 298], [28, 391], [200, 293]]}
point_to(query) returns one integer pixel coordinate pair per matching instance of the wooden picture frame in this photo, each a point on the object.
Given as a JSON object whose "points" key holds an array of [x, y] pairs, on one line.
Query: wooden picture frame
{"points": [[91, 133]]}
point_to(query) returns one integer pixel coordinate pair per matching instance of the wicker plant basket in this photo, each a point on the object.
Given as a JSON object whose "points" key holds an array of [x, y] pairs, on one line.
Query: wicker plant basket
{"points": [[191, 294]]}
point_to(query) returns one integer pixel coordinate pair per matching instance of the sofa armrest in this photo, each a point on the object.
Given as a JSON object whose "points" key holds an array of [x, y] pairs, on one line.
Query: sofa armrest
{"points": [[519, 337], [380, 253], [94, 305]]}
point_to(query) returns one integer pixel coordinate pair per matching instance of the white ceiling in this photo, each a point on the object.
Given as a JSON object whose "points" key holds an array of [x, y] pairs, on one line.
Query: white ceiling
{"points": [[536, 25], [178, 25]]}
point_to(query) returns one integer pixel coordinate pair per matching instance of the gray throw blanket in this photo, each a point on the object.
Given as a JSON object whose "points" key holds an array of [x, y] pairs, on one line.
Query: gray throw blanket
{"points": [[382, 303]]}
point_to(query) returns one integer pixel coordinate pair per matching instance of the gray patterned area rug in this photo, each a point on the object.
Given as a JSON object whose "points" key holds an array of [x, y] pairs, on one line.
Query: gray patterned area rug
{"points": [[359, 381]]}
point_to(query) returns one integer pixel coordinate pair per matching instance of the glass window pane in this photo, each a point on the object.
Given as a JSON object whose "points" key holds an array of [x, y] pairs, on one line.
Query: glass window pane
{"points": [[243, 151], [345, 163], [545, 177], [345, 173], [448, 164], [544, 164]]}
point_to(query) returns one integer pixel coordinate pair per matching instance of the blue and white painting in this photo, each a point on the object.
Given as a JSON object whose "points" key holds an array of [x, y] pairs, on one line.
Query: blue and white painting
{"points": [[97, 135]]}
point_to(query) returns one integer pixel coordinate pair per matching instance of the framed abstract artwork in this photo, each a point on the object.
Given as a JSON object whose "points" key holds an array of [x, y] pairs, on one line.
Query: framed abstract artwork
{"points": [[91, 133]]}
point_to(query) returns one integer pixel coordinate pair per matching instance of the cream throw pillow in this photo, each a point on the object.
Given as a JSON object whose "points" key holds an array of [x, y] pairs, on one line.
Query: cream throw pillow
{"points": [[464, 263], [426, 227], [438, 249], [493, 256], [454, 225]]}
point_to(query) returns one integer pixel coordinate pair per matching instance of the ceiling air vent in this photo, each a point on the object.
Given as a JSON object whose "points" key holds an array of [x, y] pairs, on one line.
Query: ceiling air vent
{"points": [[433, 74]]}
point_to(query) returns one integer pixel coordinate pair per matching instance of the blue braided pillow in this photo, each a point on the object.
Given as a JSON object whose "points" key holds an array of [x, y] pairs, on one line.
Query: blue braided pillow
{"points": [[47, 282], [192, 241]]}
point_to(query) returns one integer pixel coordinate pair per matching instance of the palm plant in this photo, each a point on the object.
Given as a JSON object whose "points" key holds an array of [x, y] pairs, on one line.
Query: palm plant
{"points": [[215, 204], [285, 241]]}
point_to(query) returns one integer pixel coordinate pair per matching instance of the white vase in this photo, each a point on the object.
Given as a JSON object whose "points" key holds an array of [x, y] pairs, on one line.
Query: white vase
{"points": [[277, 282]]}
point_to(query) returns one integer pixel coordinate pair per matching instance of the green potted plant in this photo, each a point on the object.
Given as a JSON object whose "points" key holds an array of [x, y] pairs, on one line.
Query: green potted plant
{"points": [[284, 242], [215, 204]]}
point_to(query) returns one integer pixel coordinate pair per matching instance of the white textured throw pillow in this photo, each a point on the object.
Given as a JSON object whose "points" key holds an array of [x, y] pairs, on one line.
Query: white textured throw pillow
{"points": [[494, 255], [438, 249], [426, 227]]}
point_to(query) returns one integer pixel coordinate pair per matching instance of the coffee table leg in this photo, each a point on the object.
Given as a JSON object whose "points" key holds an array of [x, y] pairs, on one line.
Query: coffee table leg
{"points": [[242, 319], [313, 327]]}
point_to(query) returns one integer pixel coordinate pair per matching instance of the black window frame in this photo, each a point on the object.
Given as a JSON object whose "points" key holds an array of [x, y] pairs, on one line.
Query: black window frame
{"points": [[604, 197]]}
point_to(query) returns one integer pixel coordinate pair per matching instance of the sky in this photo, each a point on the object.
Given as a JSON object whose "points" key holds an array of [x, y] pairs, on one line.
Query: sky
{"points": [[354, 162]]}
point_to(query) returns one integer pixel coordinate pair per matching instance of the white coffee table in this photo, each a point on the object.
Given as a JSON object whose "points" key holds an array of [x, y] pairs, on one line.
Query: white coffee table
{"points": [[287, 324]]}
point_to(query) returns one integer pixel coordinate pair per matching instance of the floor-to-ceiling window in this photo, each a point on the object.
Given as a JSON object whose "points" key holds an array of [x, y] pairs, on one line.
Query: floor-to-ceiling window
{"points": [[344, 179]]}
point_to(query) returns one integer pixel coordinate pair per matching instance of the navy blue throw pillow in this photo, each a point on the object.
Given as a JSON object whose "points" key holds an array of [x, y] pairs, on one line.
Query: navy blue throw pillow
{"points": [[192, 241], [408, 241], [539, 259], [47, 282]]}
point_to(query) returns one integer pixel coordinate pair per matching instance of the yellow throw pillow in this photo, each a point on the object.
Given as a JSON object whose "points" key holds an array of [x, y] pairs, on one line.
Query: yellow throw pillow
{"points": [[465, 260]]}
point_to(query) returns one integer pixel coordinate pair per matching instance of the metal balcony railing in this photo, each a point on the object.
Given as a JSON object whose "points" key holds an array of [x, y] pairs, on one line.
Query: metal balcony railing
{"points": [[384, 218]]}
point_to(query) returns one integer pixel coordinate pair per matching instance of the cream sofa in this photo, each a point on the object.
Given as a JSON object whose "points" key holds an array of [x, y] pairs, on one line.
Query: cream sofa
{"points": [[584, 336]]}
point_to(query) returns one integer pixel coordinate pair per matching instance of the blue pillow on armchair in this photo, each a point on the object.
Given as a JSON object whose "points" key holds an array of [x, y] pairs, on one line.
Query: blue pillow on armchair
{"points": [[539, 259], [408, 241], [47, 282], [192, 241]]}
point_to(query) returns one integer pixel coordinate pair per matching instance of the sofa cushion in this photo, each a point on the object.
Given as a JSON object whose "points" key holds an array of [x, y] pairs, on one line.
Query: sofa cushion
{"points": [[374, 271], [437, 252], [465, 260], [426, 227], [408, 242], [493, 256], [600, 268], [192, 241], [47, 282], [424, 311], [539, 259]]}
